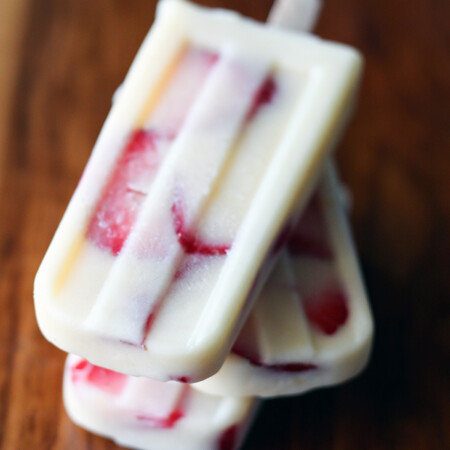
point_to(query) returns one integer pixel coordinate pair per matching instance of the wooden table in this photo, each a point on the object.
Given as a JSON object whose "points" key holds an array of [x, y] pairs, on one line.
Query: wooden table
{"points": [[60, 61]]}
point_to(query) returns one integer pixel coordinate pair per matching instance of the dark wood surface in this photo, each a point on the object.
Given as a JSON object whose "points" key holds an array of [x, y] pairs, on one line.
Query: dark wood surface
{"points": [[60, 62]]}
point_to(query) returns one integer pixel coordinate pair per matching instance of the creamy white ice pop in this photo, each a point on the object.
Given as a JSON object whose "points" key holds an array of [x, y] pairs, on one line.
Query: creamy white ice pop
{"points": [[220, 130], [311, 326], [146, 414]]}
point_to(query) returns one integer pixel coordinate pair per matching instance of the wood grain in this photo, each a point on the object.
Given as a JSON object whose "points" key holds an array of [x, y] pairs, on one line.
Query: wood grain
{"points": [[60, 63]]}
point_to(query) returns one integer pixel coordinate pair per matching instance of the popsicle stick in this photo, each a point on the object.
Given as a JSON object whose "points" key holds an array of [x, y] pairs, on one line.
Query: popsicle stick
{"points": [[300, 15]]}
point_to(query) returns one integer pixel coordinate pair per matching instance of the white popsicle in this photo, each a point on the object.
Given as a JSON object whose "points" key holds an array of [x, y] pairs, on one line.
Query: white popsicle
{"points": [[199, 165], [150, 415], [311, 326]]}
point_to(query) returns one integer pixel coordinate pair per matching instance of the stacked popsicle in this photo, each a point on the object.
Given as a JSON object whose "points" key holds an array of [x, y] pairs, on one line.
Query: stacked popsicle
{"points": [[198, 203]]}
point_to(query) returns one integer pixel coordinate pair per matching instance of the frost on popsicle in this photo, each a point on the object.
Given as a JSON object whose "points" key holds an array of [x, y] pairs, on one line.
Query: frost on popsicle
{"points": [[145, 153], [123, 195]]}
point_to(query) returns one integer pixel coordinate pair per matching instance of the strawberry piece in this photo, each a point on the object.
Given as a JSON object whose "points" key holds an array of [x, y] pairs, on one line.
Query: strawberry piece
{"points": [[210, 58], [263, 96], [310, 236], [120, 202], [113, 383], [245, 347], [327, 311], [187, 239], [161, 422], [170, 419], [104, 379], [228, 439], [181, 379], [293, 367]]}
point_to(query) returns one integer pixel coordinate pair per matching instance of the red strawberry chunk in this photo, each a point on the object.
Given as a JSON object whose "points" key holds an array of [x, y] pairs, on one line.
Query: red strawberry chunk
{"points": [[263, 96], [228, 439], [181, 379], [210, 58], [168, 421], [293, 367], [122, 197], [246, 347], [161, 422], [328, 310], [104, 379], [187, 238]]}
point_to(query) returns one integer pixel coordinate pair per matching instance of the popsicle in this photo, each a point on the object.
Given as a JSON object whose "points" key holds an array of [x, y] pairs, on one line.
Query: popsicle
{"points": [[311, 326], [146, 414], [216, 140]]}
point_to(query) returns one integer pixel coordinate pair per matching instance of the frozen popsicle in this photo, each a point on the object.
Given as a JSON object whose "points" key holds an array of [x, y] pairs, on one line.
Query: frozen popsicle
{"points": [[311, 326], [146, 414], [218, 136]]}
